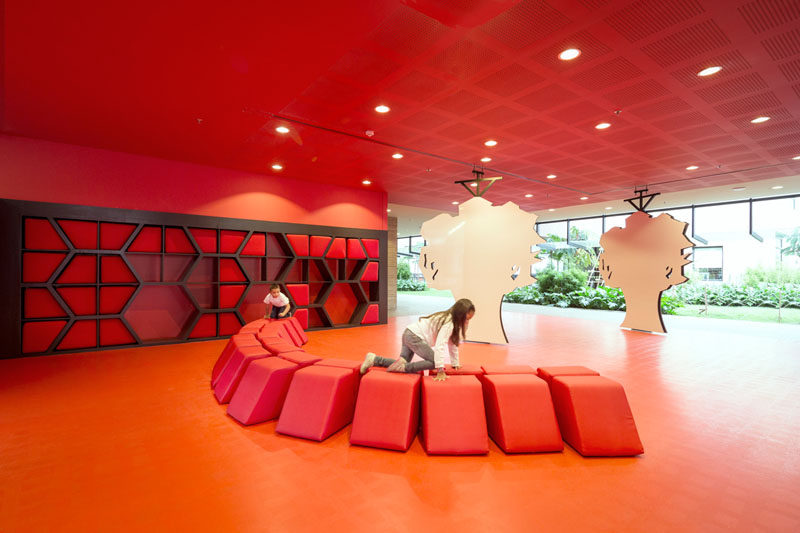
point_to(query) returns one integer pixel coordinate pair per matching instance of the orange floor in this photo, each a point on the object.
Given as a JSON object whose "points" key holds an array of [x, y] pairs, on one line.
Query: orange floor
{"points": [[133, 440]]}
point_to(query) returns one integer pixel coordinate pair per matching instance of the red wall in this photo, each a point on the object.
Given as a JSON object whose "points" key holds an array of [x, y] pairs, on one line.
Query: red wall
{"points": [[45, 171]]}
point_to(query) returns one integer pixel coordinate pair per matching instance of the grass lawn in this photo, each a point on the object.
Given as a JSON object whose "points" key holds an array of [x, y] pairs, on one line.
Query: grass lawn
{"points": [[429, 292], [755, 314]]}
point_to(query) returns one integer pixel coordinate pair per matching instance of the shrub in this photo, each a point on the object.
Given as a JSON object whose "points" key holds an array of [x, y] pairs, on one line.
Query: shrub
{"points": [[755, 276], [410, 285], [764, 295], [606, 298], [560, 282], [403, 270]]}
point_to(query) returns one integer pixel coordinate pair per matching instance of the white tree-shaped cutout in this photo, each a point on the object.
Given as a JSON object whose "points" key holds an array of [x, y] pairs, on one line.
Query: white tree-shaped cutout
{"points": [[644, 259], [481, 254]]}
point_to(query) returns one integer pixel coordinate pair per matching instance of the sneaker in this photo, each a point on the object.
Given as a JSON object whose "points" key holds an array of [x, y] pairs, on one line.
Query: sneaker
{"points": [[369, 360], [397, 366]]}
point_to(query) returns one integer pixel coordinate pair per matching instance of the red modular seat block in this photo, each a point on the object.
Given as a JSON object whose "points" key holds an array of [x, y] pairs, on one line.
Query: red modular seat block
{"points": [[594, 416], [236, 341], [354, 366], [293, 322], [508, 369], [253, 327], [547, 373], [453, 416], [297, 340], [463, 370], [299, 357], [320, 402], [387, 411], [232, 373], [519, 413], [262, 391]]}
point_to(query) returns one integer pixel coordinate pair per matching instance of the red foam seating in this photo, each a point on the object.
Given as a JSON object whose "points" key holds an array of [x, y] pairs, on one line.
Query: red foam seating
{"points": [[354, 366], [297, 340], [508, 369], [232, 373], [299, 357], [453, 416], [519, 413], [320, 402], [242, 339], [387, 411], [547, 373], [293, 322], [594, 416], [262, 391], [253, 327], [463, 370], [279, 346]]}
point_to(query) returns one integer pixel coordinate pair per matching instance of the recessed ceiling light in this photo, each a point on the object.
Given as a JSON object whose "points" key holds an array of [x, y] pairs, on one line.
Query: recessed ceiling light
{"points": [[529, 195], [602, 126], [366, 182], [776, 187], [487, 159], [473, 184], [759, 120], [551, 176], [569, 53], [282, 129], [796, 158], [277, 166], [397, 156], [692, 167], [609, 207], [382, 108], [551, 209], [388, 210], [709, 71], [454, 203], [584, 197], [491, 142], [739, 188]]}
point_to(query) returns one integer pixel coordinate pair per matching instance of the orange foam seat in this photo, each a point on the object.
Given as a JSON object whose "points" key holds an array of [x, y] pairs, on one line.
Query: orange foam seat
{"points": [[453, 416], [547, 373], [232, 373], [242, 339], [320, 402], [519, 413], [262, 391], [387, 411], [508, 369], [594, 416]]}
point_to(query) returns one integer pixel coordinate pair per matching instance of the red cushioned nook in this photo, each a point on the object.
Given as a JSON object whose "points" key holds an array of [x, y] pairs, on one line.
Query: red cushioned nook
{"points": [[547, 373], [594, 416], [453, 417], [387, 411], [232, 373], [320, 402], [519, 413], [261, 393]]}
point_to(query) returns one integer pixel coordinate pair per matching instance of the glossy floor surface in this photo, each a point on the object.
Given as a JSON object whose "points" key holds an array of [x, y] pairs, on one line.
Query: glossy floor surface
{"points": [[133, 440]]}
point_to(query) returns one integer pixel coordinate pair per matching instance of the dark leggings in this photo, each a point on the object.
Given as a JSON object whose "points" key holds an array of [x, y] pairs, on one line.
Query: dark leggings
{"points": [[412, 344]]}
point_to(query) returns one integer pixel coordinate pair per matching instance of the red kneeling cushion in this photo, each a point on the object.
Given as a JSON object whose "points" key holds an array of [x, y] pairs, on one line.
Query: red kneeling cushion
{"points": [[508, 369], [594, 416], [547, 373], [242, 339], [453, 417], [320, 402], [232, 373], [519, 413], [387, 411], [261, 393]]}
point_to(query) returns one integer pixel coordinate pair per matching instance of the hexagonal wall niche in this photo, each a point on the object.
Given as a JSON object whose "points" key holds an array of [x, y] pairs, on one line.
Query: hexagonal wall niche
{"points": [[159, 312], [341, 303], [253, 307]]}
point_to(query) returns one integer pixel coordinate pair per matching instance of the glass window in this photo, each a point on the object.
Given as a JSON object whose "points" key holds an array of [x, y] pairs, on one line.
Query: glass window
{"points": [[417, 243], [707, 263], [615, 221], [586, 232], [717, 223], [553, 231], [403, 244]]}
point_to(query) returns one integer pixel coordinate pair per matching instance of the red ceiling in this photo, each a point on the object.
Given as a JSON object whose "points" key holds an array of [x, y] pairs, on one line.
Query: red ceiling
{"points": [[203, 82]]}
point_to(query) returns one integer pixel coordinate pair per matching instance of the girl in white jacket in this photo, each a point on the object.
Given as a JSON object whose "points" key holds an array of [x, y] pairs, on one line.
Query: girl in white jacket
{"points": [[429, 338]]}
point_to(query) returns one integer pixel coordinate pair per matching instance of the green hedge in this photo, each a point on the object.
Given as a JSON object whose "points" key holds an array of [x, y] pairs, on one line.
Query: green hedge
{"points": [[764, 295], [605, 298], [410, 285]]}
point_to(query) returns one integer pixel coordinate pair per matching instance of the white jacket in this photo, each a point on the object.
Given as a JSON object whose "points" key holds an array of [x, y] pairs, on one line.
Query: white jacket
{"points": [[439, 340]]}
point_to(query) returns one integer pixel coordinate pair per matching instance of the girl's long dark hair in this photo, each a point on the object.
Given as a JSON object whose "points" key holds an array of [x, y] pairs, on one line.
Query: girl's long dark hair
{"points": [[458, 315]]}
